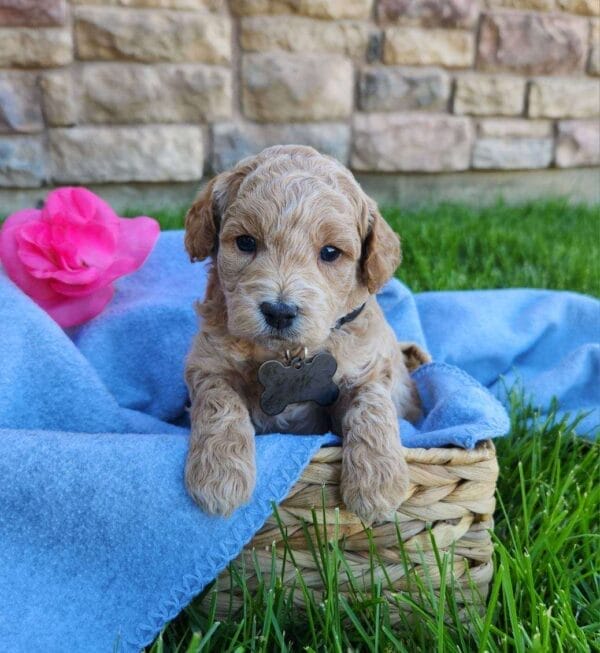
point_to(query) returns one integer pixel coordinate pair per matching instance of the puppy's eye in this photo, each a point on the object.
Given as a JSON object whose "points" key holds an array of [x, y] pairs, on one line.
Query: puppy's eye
{"points": [[246, 244], [329, 253]]}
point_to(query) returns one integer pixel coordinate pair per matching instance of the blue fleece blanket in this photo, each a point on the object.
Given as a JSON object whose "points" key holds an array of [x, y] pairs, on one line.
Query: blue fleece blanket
{"points": [[99, 544]]}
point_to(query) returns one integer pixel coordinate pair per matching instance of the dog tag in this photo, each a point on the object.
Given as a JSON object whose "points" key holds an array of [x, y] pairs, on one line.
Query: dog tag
{"points": [[298, 382]]}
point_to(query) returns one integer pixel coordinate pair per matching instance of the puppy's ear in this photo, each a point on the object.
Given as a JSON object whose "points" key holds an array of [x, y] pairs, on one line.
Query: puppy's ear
{"points": [[203, 220], [202, 224], [381, 250]]}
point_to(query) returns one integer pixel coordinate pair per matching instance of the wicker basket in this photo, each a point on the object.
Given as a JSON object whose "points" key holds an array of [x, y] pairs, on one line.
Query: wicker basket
{"points": [[449, 510]]}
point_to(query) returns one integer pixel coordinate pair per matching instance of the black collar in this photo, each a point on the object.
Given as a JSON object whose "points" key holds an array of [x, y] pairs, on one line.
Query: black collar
{"points": [[352, 315]]}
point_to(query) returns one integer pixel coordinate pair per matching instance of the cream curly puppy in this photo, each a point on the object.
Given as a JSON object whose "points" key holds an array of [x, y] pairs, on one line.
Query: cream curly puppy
{"points": [[298, 251]]}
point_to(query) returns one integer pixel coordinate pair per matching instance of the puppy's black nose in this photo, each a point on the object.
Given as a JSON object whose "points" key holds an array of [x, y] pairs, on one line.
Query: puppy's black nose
{"points": [[279, 315]]}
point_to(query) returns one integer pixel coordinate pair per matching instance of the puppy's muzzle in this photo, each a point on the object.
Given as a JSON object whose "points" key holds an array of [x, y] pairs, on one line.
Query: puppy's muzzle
{"points": [[279, 315]]}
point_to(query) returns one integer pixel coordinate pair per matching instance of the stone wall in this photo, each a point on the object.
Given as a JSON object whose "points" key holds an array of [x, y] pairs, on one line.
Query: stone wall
{"points": [[164, 91]]}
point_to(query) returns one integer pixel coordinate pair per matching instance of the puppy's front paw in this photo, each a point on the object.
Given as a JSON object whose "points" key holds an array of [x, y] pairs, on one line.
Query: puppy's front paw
{"points": [[374, 484], [218, 486]]}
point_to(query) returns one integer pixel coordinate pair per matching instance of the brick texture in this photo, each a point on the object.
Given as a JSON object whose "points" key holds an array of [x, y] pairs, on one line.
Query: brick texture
{"points": [[418, 46], [327, 9], [409, 141], [156, 4], [20, 103], [282, 87], [430, 13], [487, 95], [233, 141], [35, 47], [594, 58], [23, 162], [138, 35], [32, 13], [297, 34], [398, 88], [512, 153], [126, 154], [541, 44], [156, 91], [564, 98], [138, 93], [578, 143]]}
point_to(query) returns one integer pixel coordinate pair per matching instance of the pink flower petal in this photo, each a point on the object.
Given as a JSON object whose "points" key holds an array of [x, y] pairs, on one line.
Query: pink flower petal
{"points": [[95, 244], [78, 205], [34, 258], [16, 271], [35, 231], [78, 289], [118, 269], [74, 251], [18, 219], [137, 237], [71, 311], [66, 256], [80, 276], [39, 234]]}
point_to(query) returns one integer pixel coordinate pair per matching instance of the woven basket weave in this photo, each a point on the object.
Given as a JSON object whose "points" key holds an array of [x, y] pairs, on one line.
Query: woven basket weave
{"points": [[451, 500]]}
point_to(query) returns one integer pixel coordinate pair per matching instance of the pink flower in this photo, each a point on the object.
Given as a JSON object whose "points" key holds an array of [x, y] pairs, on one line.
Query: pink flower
{"points": [[67, 255]]}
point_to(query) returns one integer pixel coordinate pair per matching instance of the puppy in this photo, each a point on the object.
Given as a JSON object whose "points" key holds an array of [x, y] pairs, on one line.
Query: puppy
{"points": [[298, 251]]}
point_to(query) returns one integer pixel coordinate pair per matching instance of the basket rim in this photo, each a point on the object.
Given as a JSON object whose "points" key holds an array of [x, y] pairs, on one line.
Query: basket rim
{"points": [[451, 455]]}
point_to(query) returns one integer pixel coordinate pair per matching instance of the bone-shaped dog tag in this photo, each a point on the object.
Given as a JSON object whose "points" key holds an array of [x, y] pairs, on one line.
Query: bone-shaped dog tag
{"points": [[298, 382]]}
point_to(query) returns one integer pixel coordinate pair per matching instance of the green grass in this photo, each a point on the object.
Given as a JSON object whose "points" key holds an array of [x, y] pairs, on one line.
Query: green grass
{"points": [[540, 244], [545, 596]]}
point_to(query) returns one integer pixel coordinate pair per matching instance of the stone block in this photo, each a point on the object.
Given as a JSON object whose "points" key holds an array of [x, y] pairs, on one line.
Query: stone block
{"points": [[514, 128], [397, 88], [22, 161], [483, 187], [512, 153], [415, 46], [232, 142], [20, 105], [578, 143], [522, 5], [281, 87], [415, 142], [517, 144], [138, 35], [157, 4], [32, 13], [137, 93], [583, 7], [61, 106], [528, 43], [564, 98], [157, 153], [25, 47], [329, 9], [429, 13], [489, 95], [298, 34], [593, 67]]}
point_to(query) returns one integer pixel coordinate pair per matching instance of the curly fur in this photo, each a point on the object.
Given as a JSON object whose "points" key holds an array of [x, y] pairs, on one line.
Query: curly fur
{"points": [[294, 201]]}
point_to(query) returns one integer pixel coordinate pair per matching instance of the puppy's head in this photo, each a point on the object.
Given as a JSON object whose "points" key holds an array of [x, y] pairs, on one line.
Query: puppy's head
{"points": [[296, 243]]}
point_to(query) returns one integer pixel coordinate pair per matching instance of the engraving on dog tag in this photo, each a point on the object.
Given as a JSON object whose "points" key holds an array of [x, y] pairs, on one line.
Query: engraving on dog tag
{"points": [[298, 382]]}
